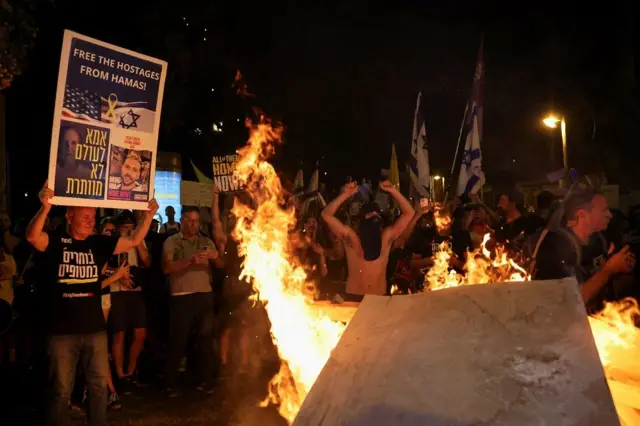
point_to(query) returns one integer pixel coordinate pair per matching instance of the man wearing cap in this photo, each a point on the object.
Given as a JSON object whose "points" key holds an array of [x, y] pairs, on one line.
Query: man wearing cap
{"points": [[128, 309]]}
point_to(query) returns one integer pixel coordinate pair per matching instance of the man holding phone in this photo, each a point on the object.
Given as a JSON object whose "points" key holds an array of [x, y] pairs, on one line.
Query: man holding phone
{"points": [[187, 259]]}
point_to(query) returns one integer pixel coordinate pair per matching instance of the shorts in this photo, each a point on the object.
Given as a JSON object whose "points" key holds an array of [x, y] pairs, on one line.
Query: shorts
{"points": [[238, 310], [106, 301], [128, 310]]}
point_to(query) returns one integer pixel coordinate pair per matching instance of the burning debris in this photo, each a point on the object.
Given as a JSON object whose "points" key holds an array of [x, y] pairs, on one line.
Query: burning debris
{"points": [[305, 336], [442, 218], [481, 267]]}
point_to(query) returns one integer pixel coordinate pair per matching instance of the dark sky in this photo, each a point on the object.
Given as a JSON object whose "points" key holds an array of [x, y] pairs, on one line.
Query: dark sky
{"points": [[343, 76]]}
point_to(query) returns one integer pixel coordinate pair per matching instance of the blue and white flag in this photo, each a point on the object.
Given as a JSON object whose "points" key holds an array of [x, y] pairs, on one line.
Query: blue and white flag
{"points": [[419, 159], [471, 177]]}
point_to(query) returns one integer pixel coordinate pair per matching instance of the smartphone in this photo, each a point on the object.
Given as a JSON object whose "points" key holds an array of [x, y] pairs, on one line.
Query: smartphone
{"points": [[424, 203]]}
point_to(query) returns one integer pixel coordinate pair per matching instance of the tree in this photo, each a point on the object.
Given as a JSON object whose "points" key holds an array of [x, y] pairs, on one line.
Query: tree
{"points": [[18, 31]]}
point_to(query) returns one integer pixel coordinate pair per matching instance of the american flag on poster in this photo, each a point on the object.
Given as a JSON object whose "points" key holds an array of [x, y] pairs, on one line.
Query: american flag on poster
{"points": [[85, 105], [472, 177]]}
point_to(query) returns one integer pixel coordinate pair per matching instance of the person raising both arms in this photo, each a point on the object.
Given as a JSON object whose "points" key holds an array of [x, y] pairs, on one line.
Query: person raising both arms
{"points": [[72, 265], [368, 250]]}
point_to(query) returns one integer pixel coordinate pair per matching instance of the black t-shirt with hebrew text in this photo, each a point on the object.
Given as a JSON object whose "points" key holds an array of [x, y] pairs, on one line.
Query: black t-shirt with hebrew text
{"points": [[73, 282]]}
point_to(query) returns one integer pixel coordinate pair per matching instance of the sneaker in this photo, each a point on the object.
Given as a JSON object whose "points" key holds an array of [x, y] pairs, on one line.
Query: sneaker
{"points": [[135, 379], [171, 393], [206, 389], [76, 408], [125, 384], [114, 401]]}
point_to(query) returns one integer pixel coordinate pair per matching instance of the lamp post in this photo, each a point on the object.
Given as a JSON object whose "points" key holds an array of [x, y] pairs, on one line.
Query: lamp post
{"points": [[552, 122], [439, 178]]}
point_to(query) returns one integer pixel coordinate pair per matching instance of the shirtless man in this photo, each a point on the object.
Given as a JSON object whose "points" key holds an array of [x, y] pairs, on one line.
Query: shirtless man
{"points": [[368, 249]]}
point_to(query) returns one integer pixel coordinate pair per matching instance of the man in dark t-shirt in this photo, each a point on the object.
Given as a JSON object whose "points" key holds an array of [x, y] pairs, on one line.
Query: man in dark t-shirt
{"points": [[515, 227], [578, 249], [73, 262]]}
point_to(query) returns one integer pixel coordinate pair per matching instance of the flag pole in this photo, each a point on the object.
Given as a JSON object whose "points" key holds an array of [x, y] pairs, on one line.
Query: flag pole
{"points": [[455, 157]]}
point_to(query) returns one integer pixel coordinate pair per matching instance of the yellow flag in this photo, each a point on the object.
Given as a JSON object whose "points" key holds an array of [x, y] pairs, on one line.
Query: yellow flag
{"points": [[201, 176]]}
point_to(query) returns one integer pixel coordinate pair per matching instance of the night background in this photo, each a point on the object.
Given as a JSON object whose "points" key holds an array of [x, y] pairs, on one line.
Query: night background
{"points": [[343, 79]]}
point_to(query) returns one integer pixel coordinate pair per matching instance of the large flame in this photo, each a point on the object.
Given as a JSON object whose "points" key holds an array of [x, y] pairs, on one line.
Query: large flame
{"points": [[481, 267], [614, 328], [304, 336], [617, 339], [442, 218]]}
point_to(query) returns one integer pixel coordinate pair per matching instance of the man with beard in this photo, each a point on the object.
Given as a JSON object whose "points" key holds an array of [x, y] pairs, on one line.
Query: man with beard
{"points": [[515, 227], [130, 173], [368, 250]]}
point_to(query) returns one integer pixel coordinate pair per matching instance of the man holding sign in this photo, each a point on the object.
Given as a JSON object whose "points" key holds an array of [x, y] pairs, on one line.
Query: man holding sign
{"points": [[72, 264]]}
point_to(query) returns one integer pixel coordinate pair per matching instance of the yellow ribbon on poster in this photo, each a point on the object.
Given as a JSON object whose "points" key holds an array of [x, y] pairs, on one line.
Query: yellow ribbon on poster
{"points": [[112, 105]]}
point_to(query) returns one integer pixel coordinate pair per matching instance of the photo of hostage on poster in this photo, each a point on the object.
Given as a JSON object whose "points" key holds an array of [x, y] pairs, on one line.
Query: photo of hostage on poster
{"points": [[105, 129], [129, 172]]}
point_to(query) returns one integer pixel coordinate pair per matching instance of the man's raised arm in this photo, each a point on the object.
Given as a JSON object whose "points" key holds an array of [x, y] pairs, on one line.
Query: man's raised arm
{"points": [[126, 243], [406, 233], [219, 237], [408, 212], [35, 234], [329, 213]]}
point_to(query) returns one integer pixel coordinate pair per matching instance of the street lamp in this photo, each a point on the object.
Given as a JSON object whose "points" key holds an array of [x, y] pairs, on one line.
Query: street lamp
{"points": [[552, 122], [438, 178]]}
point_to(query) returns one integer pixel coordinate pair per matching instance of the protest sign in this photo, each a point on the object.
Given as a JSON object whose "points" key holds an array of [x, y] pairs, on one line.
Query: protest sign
{"points": [[195, 194], [223, 168], [105, 125]]}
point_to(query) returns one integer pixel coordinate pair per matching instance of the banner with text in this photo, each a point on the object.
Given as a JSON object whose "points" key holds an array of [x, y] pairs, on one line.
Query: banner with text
{"points": [[105, 125], [195, 194], [223, 168]]}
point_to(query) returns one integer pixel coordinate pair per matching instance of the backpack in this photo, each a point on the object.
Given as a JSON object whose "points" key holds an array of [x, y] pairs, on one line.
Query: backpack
{"points": [[534, 242]]}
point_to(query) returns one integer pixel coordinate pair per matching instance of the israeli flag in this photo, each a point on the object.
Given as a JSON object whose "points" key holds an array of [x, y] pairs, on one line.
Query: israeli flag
{"points": [[471, 177], [419, 159]]}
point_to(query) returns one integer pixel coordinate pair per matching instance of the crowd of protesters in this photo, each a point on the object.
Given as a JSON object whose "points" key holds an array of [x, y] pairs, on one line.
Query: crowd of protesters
{"points": [[116, 298], [573, 235]]}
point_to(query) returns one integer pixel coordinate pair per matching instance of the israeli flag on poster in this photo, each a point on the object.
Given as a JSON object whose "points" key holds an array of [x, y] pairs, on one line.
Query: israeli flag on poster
{"points": [[471, 177], [419, 159]]}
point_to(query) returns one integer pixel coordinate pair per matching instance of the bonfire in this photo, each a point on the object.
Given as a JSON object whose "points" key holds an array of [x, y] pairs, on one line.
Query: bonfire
{"points": [[305, 336]]}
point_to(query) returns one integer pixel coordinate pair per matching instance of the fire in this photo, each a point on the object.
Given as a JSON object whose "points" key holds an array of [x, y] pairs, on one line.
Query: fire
{"points": [[442, 218], [481, 267], [617, 339], [303, 335], [614, 330]]}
